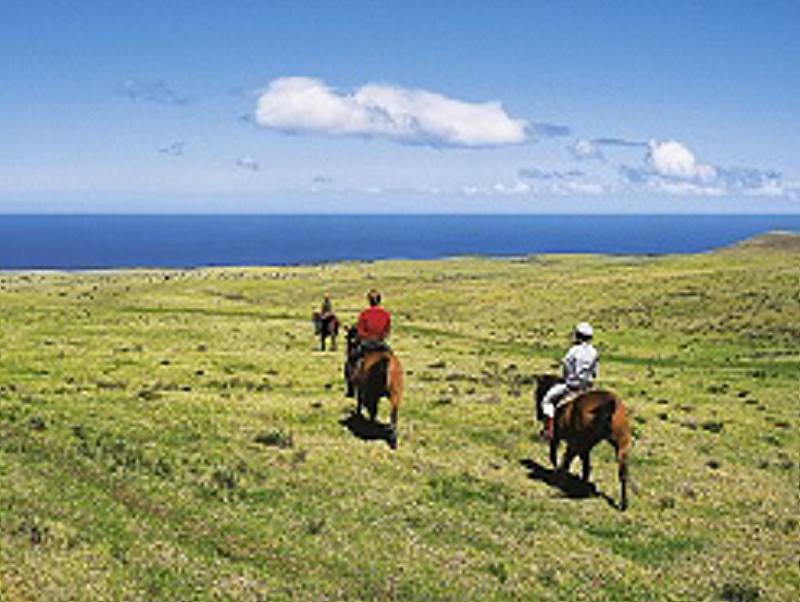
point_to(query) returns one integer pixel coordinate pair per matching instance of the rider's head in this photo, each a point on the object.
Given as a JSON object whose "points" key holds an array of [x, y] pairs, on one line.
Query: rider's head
{"points": [[374, 298], [583, 332]]}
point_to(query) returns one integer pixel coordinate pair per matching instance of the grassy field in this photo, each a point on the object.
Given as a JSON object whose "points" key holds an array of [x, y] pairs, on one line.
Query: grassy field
{"points": [[175, 435]]}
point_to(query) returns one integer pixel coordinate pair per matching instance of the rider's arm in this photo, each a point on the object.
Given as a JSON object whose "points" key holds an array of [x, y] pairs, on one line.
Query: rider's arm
{"points": [[361, 326], [565, 367], [568, 364]]}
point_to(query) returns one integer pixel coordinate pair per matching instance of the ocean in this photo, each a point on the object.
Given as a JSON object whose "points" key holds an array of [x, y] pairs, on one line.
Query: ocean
{"points": [[71, 242]]}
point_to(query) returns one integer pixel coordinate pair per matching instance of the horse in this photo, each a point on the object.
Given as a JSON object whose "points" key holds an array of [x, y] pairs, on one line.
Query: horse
{"points": [[590, 417], [325, 327], [378, 374]]}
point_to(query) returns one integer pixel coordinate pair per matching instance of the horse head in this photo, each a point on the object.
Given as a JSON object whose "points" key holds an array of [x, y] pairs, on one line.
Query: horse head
{"points": [[352, 339]]}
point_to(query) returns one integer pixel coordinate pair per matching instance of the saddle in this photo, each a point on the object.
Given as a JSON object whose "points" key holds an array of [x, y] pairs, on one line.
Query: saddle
{"points": [[571, 396], [568, 398], [370, 346]]}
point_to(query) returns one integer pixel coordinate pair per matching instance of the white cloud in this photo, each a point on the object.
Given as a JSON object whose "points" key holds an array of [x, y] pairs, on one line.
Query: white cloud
{"points": [[498, 188], [584, 149], [671, 159], [592, 188], [534, 173], [561, 182], [671, 168], [301, 104], [771, 189], [517, 187], [684, 188], [520, 188]]}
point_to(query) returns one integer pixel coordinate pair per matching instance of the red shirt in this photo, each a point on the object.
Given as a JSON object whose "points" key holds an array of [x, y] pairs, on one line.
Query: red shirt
{"points": [[374, 323]]}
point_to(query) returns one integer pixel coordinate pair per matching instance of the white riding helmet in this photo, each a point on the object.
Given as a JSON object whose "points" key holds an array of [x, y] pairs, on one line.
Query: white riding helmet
{"points": [[584, 329]]}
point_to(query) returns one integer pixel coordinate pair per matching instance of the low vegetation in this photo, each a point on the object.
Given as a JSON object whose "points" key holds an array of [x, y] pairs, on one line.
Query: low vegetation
{"points": [[175, 435]]}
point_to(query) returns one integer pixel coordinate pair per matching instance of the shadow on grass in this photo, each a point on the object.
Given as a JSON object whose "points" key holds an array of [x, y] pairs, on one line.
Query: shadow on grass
{"points": [[569, 485], [366, 430]]}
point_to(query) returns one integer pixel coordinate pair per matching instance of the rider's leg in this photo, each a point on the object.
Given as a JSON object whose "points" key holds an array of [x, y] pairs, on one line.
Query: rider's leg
{"points": [[351, 369], [551, 398]]}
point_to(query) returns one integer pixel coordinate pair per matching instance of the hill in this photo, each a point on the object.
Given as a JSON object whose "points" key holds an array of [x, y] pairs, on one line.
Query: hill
{"points": [[776, 241], [175, 435]]}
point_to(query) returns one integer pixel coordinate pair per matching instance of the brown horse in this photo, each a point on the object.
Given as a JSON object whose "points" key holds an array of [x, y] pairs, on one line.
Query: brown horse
{"points": [[591, 417], [377, 374], [325, 327]]}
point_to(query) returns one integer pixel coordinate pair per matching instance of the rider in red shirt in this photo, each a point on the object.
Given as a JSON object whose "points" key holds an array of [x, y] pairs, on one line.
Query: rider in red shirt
{"points": [[373, 326], [374, 322]]}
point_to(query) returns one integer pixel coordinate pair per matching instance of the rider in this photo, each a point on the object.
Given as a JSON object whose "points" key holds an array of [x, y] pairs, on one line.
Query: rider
{"points": [[579, 370], [326, 311], [374, 323], [373, 327]]}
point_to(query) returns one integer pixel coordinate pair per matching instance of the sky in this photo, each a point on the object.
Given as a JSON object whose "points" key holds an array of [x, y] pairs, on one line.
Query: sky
{"points": [[399, 107]]}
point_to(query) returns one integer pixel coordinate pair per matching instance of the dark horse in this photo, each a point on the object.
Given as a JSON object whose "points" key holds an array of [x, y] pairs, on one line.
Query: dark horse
{"points": [[583, 422], [377, 374], [325, 327]]}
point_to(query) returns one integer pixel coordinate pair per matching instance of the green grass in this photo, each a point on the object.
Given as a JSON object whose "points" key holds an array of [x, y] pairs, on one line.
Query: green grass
{"points": [[176, 435]]}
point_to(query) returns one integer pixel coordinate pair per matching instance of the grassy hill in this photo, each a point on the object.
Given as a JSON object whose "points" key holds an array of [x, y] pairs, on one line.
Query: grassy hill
{"points": [[175, 435]]}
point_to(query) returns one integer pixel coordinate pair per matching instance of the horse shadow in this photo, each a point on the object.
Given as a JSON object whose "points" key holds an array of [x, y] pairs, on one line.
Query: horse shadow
{"points": [[366, 430], [570, 486]]}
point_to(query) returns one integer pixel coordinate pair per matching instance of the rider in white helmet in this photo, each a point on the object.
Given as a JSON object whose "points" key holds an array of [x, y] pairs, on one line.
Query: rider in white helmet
{"points": [[579, 370]]}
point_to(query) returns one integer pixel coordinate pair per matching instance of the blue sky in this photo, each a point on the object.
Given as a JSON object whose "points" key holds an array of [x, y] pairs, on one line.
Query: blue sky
{"points": [[513, 107]]}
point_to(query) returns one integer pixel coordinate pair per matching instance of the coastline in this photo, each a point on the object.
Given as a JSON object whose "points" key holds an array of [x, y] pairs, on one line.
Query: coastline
{"points": [[772, 238]]}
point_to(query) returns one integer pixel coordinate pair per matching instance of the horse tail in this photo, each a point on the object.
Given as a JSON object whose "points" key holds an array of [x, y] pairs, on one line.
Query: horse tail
{"points": [[619, 427], [622, 439], [394, 386], [394, 380]]}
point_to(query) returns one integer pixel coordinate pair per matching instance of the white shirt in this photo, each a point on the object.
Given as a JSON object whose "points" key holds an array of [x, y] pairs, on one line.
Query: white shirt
{"points": [[580, 365]]}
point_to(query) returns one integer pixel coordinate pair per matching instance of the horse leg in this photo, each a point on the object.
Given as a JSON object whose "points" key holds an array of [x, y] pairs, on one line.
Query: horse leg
{"points": [[587, 467], [554, 451], [569, 455], [359, 402], [623, 485], [394, 386], [622, 471], [621, 440], [333, 342], [348, 378], [372, 409], [393, 424]]}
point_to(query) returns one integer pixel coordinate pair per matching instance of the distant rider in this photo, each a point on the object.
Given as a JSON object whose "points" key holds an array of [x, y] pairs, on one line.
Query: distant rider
{"points": [[326, 311], [325, 314], [373, 327], [579, 370]]}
